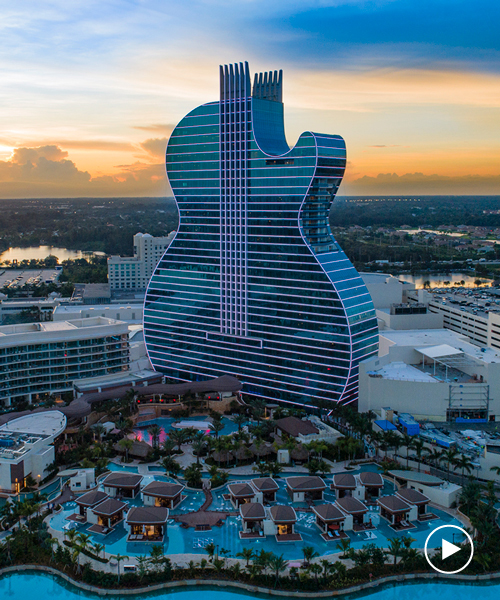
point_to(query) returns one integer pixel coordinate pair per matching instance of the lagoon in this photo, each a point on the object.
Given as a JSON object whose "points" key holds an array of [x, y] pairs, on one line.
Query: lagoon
{"points": [[41, 252], [47, 587]]}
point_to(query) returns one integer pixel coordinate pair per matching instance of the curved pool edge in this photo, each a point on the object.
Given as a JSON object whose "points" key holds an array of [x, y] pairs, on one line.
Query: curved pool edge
{"points": [[368, 587]]}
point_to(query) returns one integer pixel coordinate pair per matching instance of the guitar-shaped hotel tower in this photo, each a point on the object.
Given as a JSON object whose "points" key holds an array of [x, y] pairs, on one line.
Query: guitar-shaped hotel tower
{"points": [[254, 283]]}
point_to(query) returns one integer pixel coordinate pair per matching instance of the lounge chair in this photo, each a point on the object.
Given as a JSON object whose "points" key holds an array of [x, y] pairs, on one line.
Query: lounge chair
{"points": [[337, 534]]}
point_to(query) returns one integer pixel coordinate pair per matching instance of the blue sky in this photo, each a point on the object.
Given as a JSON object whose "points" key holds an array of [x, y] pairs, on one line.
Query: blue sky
{"points": [[413, 87]]}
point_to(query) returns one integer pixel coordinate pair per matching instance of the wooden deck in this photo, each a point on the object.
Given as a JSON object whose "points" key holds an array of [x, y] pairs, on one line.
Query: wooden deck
{"points": [[401, 527], [342, 536], [289, 537], [76, 517], [253, 535], [100, 529]]}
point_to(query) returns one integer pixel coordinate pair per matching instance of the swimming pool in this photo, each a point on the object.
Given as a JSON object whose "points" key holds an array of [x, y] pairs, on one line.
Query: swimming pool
{"points": [[180, 540], [141, 432], [17, 586]]}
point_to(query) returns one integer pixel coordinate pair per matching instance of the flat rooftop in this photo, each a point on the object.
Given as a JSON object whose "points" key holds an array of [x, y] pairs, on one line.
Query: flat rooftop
{"points": [[418, 338], [54, 326], [403, 372], [45, 424]]}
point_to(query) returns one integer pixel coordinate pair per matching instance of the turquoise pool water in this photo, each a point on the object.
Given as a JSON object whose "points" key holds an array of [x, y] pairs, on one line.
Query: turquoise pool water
{"points": [[47, 587], [141, 433]]}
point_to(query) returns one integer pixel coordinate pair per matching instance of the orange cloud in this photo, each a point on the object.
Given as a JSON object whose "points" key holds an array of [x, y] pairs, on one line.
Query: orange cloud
{"points": [[155, 146]]}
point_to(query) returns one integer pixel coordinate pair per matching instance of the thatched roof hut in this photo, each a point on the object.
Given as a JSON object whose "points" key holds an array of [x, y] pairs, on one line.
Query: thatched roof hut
{"points": [[224, 456], [263, 449], [243, 453], [299, 453]]}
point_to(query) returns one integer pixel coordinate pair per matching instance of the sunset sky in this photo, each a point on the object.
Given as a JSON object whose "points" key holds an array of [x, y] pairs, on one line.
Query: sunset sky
{"points": [[91, 90]]}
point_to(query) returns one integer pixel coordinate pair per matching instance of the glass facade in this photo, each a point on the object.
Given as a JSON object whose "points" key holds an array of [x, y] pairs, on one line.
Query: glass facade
{"points": [[254, 284]]}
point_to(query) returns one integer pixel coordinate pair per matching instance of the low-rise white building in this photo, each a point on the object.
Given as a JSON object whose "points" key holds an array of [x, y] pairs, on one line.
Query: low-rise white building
{"points": [[26, 448], [134, 272], [432, 374]]}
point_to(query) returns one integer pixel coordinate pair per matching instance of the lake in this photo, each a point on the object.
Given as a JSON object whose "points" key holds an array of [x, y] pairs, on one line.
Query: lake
{"points": [[41, 252], [437, 279]]}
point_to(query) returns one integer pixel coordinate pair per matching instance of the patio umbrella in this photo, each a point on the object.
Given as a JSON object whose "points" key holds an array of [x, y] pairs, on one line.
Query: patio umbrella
{"points": [[299, 453]]}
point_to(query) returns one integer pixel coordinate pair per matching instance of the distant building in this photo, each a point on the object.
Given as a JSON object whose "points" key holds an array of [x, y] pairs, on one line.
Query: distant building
{"points": [[134, 272], [91, 293], [47, 358], [26, 448]]}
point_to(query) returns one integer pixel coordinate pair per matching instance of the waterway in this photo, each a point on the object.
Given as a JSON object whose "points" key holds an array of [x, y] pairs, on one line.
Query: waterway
{"points": [[47, 587], [437, 279], [41, 252]]}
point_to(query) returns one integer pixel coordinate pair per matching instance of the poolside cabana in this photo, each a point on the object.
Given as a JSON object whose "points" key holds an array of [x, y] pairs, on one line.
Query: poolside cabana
{"points": [[86, 502], [343, 484], [252, 517], [163, 493], [330, 520], [284, 519], [122, 485], [265, 489], [240, 493], [373, 484], [355, 512], [106, 515], [397, 512], [305, 489], [421, 501], [147, 523]]}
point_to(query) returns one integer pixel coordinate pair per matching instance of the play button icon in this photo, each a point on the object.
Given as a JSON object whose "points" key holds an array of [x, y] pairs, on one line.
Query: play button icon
{"points": [[440, 538], [448, 549]]}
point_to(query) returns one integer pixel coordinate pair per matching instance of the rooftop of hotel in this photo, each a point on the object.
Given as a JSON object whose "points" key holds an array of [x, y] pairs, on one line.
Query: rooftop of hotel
{"points": [[122, 480], [163, 489], [436, 337], [305, 484], [252, 510], [46, 424]]}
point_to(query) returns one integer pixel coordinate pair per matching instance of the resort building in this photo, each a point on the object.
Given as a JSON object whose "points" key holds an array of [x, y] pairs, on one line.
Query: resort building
{"points": [[305, 489], [283, 519], [134, 272], [252, 519], [331, 521], [81, 479], [26, 448], [344, 484], [265, 489], [355, 512], [88, 501], [437, 490], [397, 512], [254, 283], [415, 498], [38, 359], [162, 493], [433, 374], [240, 493], [125, 485], [372, 484], [106, 515], [147, 523], [306, 430]]}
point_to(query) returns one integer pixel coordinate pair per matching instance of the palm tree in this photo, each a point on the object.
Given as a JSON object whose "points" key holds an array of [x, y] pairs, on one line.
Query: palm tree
{"points": [[156, 556], [418, 446], [449, 456], [344, 545], [126, 445], [395, 547], [470, 497], [277, 564], [210, 550], [178, 437], [198, 447], [434, 455], [119, 558], [217, 427], [98, 548], [142, 566], [155, 432], [240, 420], [99, 430], [309, 554], [246, 554], [408, 443], [464, 463]]}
